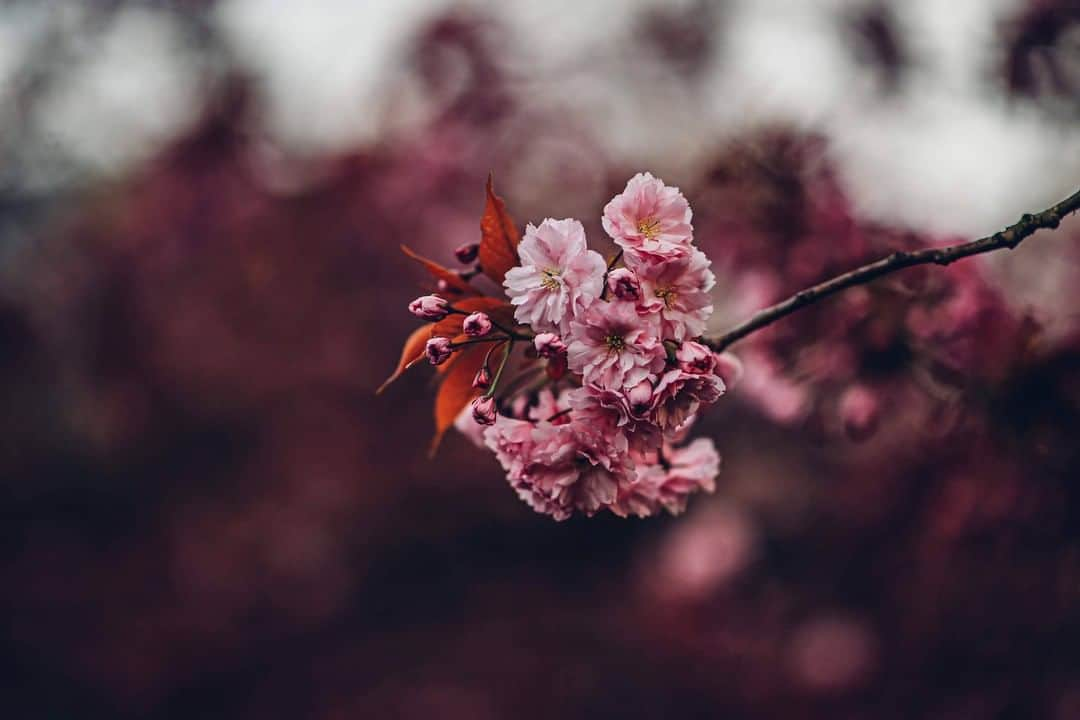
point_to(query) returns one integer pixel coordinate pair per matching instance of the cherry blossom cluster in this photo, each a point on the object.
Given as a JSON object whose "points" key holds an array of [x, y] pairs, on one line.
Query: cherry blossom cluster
{"points": [[625, 373]]}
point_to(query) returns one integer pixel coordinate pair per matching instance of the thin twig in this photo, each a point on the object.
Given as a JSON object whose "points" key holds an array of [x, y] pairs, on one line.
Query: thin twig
{"points": [[1010, 237]]}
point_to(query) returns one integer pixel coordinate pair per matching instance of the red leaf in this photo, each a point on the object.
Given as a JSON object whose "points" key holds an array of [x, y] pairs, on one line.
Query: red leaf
{"points": [[412, 351], [456, 390], [499, 237], [439, 272]]}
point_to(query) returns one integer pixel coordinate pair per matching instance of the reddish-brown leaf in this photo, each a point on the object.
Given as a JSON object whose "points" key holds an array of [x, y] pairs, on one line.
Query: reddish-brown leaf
{"points": [[439, 272], [499, 237], [411, 352], [456, 390]]}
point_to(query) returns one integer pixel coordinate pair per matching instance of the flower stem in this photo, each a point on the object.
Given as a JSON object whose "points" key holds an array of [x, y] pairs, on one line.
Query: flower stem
{"points": [[499, 372]]}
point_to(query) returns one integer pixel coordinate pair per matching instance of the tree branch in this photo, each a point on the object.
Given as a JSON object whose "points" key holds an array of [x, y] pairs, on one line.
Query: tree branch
{"points": [[1010, 237]]}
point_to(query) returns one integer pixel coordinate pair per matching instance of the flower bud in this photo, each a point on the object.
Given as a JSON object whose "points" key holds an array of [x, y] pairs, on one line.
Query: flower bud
{"points": [[467, 253], [730, 369], [476, 325], [429, 307], [483, 410], [438, 350], [859, 411], [640, 397], [549, 345], [482, 381], [623, 284], [695, 358]]}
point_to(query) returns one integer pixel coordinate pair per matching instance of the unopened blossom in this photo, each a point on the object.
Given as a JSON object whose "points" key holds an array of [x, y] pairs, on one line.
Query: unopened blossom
{"points": [[623, 284], [678, 293], [560, 469], [613, 346], [678, 395], [467, 253], [477, 324], [649, 220], [438, 350], [689, 470], [558, 277], [429, 307], [483, 410], [549, 345], [482, 379], [693, 357]]}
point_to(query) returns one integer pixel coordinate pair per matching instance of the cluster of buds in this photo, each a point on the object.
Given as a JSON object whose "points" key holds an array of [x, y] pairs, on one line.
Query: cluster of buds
{"points": [[626, 374]]}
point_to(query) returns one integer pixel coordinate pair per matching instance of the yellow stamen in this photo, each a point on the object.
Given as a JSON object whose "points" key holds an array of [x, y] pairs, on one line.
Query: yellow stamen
{"points": [[667, 295], [550, 281], [615, 343], [649, 227]]}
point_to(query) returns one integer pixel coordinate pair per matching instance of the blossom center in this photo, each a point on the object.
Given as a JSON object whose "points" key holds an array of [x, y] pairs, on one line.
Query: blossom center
{"points": [[668, 295], [649, 227], [549, 279], [615, 343]]}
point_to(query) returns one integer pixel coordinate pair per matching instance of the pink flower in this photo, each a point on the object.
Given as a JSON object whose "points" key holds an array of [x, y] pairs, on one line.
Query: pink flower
{"points": [[477, 324], [429, 307], [678, 292], [623, 284], [438, 350], [613, 412], [649, 219], [692, 468], [558, 276], [612, 346], [559, 469], [679, 394]]}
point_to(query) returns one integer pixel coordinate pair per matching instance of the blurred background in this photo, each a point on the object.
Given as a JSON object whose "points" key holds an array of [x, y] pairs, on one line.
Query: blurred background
{"points": [[206, 512]]}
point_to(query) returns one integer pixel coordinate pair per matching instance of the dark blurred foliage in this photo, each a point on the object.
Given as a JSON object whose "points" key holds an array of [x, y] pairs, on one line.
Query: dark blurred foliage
{"points": [[1042, 55], [208, 513]]}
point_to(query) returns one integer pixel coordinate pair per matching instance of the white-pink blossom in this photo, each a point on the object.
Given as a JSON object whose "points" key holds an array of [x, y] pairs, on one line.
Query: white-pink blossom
{"points": [[558, 277], [677, 292], [612, 346], [649, 219]]}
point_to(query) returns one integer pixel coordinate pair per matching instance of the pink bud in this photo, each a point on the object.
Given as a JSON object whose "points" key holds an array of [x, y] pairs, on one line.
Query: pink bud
{"points": [[729, 368], [549, 345], [695, 358], [859, 411], [476, 325], [429, 307], [482, 381], [467, 253], [623, 284], [483, 410], [640, 397], [438, 350]]}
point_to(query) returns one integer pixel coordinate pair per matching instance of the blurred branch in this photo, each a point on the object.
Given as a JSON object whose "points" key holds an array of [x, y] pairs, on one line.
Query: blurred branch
{"points": [[1010, 237]]}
